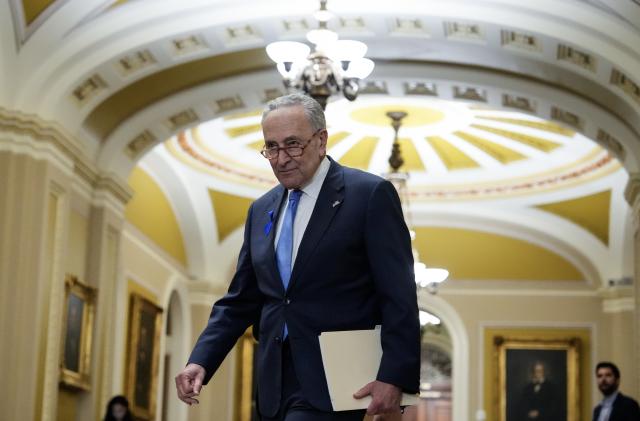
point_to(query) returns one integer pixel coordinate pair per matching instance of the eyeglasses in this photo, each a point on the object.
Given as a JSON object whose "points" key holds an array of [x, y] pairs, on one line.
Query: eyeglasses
{"points": [[294, 148]]}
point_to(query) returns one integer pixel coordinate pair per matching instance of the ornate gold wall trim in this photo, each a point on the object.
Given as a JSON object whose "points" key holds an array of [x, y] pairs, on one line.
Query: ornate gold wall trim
{"points": [[40, 130]]}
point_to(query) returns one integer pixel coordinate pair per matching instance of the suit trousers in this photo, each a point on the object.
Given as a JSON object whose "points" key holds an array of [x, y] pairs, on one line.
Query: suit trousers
{"points": [[294, 407]]}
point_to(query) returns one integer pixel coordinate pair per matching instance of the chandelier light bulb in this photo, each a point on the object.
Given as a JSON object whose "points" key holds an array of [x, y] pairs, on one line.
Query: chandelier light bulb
{"points": [[427, 318], [289, 70], [322, 37], [287, 51], [429, 276], [346, 50], [359, 68], [333, 66], [436, 275]]}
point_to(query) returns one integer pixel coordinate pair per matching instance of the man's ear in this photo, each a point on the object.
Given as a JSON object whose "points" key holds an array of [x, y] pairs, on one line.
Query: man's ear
{"points": [[323, 135]]}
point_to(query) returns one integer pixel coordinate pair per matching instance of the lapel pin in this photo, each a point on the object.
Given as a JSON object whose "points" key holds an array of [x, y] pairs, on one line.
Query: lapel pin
{"points": [[336, 203]]}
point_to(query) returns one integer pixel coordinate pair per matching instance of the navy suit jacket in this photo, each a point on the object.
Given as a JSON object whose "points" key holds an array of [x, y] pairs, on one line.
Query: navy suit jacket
{"points": [[624, 409], [354, 270]]}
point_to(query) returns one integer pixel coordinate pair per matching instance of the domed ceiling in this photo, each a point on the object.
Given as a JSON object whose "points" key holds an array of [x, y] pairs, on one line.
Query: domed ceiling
{"points": [[451, 150], [492, 194]]}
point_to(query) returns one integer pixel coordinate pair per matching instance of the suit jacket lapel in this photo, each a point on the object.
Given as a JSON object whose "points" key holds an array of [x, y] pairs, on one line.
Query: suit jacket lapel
{"points": [[329, 200], [269, 218]]}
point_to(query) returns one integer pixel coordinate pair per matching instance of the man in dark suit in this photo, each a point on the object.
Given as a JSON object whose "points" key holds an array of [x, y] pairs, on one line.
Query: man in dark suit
{"points": [[615, 406], [326, 250], [540, 398]]}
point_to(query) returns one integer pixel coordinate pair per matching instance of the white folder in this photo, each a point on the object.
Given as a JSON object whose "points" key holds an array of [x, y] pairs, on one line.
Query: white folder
{"points": [[351, 360]]}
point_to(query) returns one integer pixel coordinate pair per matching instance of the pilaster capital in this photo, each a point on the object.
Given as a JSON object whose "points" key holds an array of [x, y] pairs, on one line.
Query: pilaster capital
{"points": [[40, 130], [618, 298], [44, 132]]}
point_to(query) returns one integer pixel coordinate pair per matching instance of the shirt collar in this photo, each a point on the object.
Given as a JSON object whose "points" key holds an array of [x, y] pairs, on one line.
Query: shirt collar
{"points": [[313, 188]]}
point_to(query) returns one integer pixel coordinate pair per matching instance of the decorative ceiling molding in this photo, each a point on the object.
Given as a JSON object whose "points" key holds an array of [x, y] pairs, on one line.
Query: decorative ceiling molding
{"points": [[242, 89], [144, 92], [526, 20], [29, 15]]}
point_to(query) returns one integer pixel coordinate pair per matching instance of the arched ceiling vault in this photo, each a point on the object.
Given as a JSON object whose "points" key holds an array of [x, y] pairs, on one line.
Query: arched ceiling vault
{"points": [[125, 76], [483, 87], [107, 61]]}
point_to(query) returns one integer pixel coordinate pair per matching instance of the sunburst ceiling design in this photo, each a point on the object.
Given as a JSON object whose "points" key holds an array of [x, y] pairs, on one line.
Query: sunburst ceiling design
{"points": [[452, 150]]}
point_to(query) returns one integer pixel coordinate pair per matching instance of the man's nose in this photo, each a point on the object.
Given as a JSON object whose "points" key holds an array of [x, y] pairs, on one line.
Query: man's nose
{"points": [[283, 156]]}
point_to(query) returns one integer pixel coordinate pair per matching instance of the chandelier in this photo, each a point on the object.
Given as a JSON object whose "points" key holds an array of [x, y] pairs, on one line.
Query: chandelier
{"points": [[425, 277], [334, 65]]}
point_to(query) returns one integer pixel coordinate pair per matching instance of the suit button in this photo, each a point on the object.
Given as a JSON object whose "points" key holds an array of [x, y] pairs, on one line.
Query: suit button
{"points": [[278, 339]]}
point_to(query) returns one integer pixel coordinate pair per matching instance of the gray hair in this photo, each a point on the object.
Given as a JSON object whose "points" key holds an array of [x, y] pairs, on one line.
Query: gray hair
{"points": [[312, 109]]}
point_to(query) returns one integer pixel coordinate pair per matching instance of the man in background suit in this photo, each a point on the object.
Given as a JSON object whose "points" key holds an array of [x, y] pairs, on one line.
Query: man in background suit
{"points": [[615, 406], [325, 250]]}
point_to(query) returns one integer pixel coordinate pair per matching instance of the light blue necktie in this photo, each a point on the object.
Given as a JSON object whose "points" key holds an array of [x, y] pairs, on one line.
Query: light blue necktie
{"points": [[284, 249]]}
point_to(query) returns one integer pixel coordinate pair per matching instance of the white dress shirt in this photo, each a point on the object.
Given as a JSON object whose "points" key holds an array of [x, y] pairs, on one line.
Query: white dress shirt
{"points": [[306, 204], [607, 406]]}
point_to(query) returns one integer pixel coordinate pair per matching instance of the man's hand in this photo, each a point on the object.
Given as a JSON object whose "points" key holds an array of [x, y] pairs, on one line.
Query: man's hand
{"points": [[385, 397], [189, 383]]}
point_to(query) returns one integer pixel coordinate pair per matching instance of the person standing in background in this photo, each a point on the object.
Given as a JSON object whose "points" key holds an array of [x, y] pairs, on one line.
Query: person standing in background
{"points": [[614, 406]]}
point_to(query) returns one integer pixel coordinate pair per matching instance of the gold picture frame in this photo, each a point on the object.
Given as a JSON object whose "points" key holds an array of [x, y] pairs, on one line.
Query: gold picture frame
{"points": [[518, 358], [77, 332], [245, 389], [143, 351]]}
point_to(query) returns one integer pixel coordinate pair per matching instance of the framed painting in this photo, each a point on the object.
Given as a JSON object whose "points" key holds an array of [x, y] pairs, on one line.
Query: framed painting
{"points": [[143, 348], [246, 384], [537, 379], [77, 327]]}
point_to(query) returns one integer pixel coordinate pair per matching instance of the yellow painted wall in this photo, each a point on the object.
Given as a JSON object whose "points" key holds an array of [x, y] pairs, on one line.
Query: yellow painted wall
{"points": [[151, 212], [491, 369], [230, 212], [67, 404], [470, 254], [33, 8], [590, 212], [487, 312]]}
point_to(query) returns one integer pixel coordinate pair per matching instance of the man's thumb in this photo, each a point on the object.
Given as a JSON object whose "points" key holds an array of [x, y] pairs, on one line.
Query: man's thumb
{"points": [[197, 383], [365, 391]]}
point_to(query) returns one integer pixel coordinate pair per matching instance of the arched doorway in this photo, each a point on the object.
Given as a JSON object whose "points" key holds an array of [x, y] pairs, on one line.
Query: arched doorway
{"points": [[172, 409], [435, 369]]}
